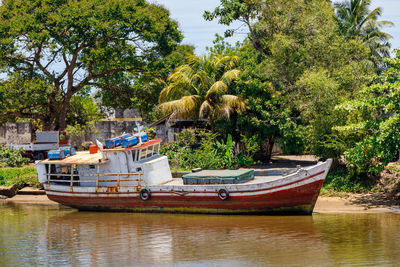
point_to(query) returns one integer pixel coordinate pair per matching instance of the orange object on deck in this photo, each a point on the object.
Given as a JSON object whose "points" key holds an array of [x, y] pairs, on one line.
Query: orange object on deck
{"points": [[92, 149]]}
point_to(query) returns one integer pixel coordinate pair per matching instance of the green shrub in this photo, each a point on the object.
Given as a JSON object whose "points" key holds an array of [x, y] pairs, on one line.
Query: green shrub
{"points": [[202, 149], [20, 176], [12, 158], [375, 114], [292, 138], [371, 155]]}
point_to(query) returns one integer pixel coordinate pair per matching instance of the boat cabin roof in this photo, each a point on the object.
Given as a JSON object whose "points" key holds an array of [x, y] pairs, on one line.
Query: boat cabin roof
{"points": [[80, 158]]}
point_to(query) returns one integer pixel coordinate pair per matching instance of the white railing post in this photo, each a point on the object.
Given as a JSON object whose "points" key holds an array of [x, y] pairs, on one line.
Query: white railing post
{"points": [[98, 177], [119, 177]]}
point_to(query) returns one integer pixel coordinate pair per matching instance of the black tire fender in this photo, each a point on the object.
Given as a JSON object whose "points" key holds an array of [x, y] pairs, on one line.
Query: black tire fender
{"points": [[145, 194], [223, 194]]}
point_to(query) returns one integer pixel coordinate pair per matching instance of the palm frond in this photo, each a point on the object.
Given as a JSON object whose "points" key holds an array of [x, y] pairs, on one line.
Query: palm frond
{"points": [[230, 76], [225, 111], [185, 107], [217, 89], [234, 102], [205, 109]]}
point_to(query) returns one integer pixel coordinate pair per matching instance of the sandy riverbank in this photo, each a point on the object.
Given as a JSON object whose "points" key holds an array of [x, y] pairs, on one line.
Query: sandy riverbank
{"points": [[351, 204], [324, 204]]}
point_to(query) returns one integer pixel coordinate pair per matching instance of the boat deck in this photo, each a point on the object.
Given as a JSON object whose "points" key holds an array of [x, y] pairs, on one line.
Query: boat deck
{"points": [[256, 180]]}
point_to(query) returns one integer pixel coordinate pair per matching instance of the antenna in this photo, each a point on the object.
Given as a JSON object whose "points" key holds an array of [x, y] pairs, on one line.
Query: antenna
{"points": [[100, 146], [139, 131]]}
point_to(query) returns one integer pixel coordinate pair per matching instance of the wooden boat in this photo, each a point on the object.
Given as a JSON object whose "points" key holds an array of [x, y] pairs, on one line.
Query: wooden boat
{"points": [[139, 179]]}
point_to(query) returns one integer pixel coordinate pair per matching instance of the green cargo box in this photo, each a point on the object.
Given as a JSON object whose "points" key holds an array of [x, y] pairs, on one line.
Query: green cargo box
{"points": [[218, 177]]}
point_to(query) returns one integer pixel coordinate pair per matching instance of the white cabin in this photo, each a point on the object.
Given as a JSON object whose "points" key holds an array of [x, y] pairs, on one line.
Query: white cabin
{"points": [[140, 165]]}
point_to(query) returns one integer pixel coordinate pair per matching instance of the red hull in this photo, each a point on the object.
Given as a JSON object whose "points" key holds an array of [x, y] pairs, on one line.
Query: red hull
{"points": [[296, 200]]}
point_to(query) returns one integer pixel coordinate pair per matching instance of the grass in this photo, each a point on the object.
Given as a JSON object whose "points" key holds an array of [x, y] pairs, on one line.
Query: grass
{"points": [[340, 181], [19, 176], [180, 169]]}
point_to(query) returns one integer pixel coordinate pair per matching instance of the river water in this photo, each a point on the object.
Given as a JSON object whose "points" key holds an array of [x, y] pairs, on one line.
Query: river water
{"points": [[53, 236]]}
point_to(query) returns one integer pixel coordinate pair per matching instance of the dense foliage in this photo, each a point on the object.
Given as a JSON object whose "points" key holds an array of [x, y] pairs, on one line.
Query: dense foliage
{"points": [[375, 113]]}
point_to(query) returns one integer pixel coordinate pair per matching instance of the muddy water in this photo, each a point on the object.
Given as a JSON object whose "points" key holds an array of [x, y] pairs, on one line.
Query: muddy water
{"points": [[40, 236]]}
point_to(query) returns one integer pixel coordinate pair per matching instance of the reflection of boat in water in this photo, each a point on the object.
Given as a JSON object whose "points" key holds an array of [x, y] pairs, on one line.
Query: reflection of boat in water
{"points": [[137, 178], [169, 239]]}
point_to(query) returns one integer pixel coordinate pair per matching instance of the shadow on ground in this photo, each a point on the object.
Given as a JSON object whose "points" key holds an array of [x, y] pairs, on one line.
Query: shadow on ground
{"points": [[288, 161], [373, 200]]}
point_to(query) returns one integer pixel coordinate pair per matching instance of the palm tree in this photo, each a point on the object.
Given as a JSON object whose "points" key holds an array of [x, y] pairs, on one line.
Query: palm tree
{"points": [[356, 20], [200, 89]]}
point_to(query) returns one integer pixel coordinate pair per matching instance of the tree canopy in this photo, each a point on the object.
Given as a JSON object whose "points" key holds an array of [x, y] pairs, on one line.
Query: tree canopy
{"points": [[69, 45]]}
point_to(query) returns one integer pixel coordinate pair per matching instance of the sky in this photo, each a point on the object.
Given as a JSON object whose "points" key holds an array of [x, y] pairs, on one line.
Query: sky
{"points": [[201, 33]]}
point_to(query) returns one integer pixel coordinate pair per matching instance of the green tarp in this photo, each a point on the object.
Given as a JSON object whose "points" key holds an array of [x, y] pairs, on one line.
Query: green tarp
{"points": [[218, 177]]}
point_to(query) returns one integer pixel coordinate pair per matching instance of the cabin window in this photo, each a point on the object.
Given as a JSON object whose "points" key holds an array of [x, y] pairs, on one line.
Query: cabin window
{"points": [[143, 153], [148, 151]]}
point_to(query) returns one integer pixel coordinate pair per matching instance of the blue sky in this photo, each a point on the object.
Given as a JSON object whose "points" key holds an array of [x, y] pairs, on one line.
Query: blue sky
{"points": [[200, 33]]}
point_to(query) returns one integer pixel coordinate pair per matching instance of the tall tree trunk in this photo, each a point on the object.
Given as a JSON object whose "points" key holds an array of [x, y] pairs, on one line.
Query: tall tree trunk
{"points": [[48, 123], [51, 115], [62, 124], [266, 147]]}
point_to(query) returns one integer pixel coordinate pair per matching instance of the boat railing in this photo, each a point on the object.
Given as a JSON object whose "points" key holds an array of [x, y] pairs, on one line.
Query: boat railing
{"points": [[119, 180]]}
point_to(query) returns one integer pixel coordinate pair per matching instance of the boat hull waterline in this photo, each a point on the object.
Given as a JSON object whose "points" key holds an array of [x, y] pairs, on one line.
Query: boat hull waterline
{"points": [[295, 193]]}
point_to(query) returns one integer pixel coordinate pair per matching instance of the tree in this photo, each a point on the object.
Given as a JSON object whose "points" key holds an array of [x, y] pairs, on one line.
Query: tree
{"points": [[295, 47], [200, 89], [375, 113], [73, 44], [356, 20]]}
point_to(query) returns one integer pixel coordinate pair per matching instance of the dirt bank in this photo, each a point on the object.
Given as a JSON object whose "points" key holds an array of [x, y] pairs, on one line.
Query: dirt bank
{"points": [[352, 204], [30, 199], [324, 204]]}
